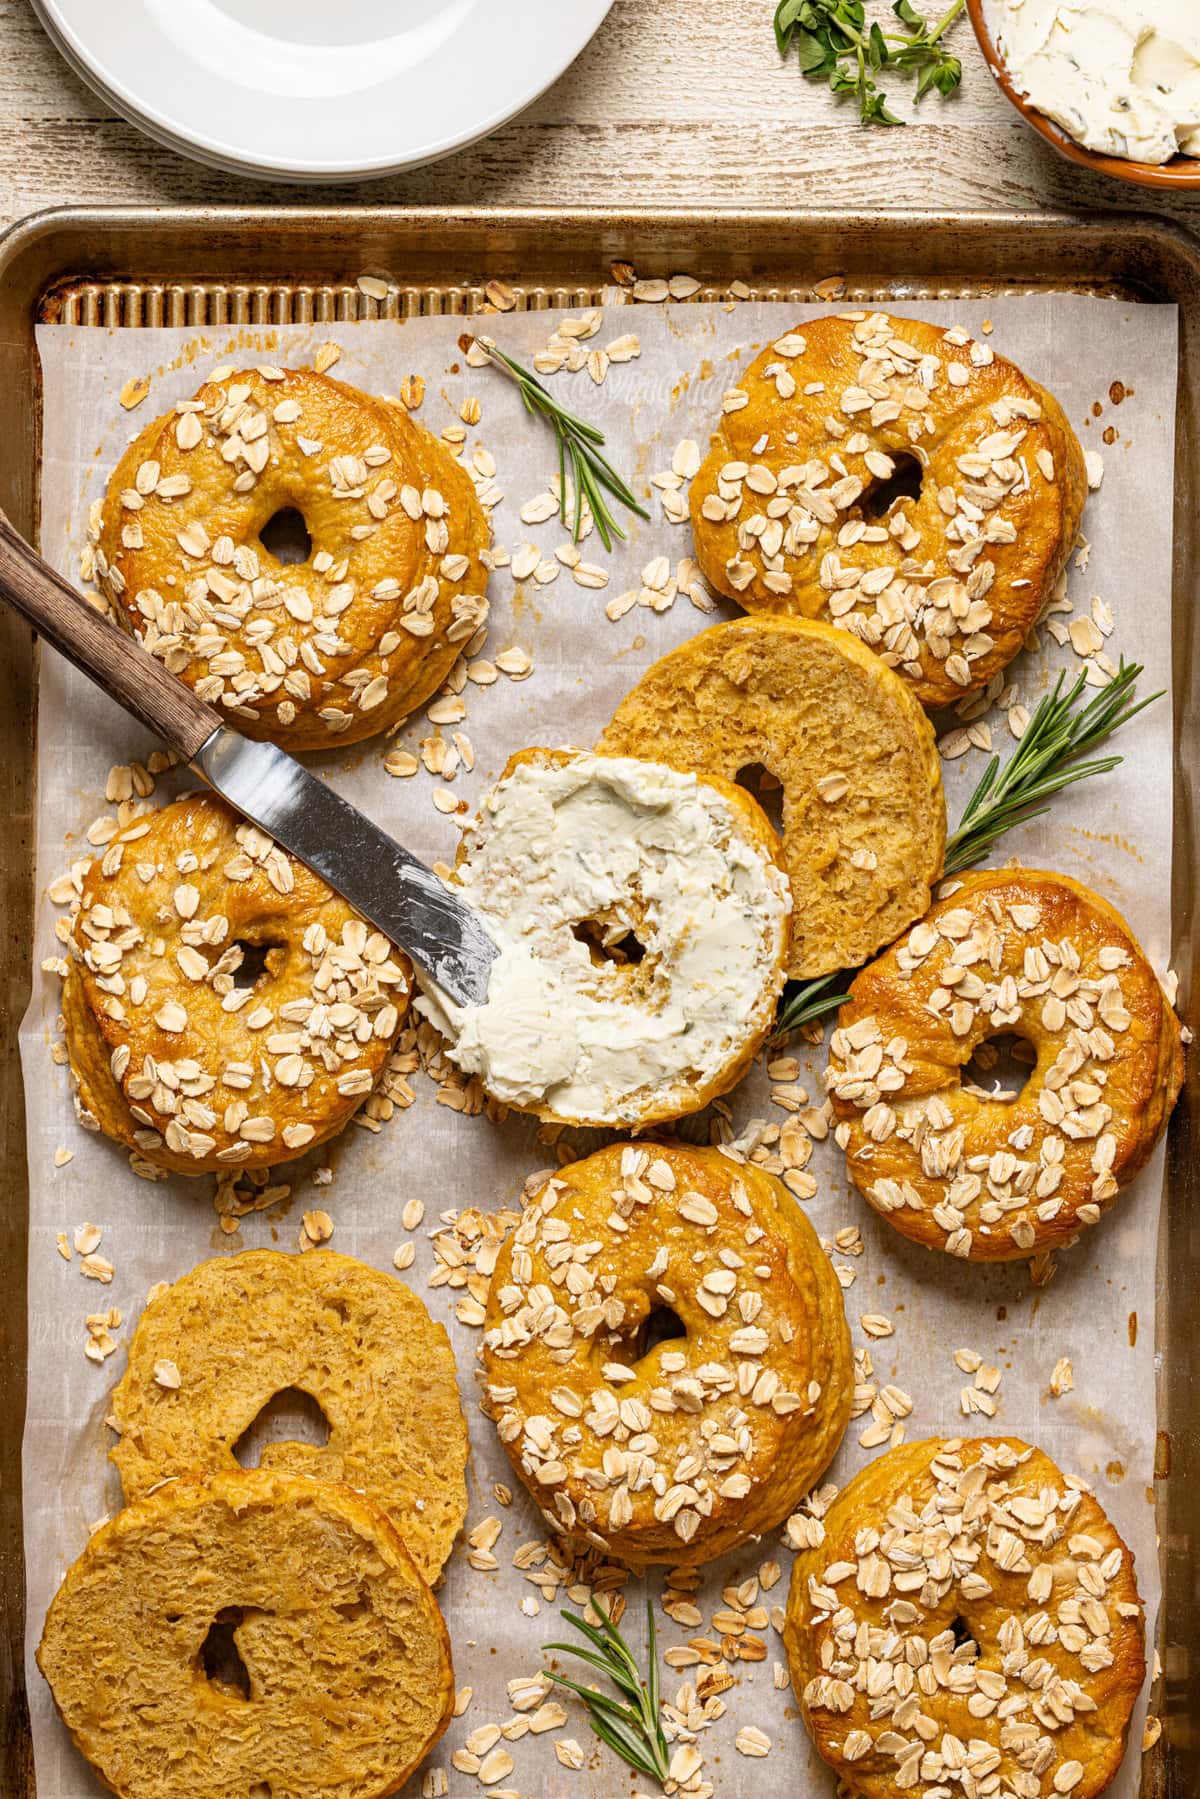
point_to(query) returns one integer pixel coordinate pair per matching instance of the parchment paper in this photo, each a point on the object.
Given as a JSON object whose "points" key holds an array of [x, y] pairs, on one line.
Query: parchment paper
{"points": [[1115, 834]]}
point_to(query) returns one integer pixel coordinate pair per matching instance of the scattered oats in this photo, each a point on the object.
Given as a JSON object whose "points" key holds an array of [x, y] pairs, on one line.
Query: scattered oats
{"points": [[318, 1226], [87, 1238], [500, 295], [1094, 463], [405, 1256], [750, 1740], [569, 1752], [134, 392], [373, 287], [63, 1156], [327, 354], [652, 292], [1062, 1378], [167, 1375]]}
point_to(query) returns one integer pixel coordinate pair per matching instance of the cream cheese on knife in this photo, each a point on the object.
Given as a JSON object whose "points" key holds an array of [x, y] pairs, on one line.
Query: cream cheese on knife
{"points": [[1120, 76]]}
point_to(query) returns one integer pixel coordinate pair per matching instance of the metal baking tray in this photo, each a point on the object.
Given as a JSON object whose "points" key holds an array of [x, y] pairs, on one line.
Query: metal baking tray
{"points": [[132, 268]]}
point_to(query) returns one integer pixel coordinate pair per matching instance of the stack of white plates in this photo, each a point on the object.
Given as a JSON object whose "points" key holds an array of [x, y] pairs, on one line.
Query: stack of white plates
{"points": [[319, 90]]}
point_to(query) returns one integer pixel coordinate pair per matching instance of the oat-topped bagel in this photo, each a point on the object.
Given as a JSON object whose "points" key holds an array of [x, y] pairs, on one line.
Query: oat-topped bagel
{"points": [[864, 817], [239, 1330], [345, 1663], [334, 648], [643, 924], [184, 1053], [966, 1621], [795, 508], [1041, 958], [666, 1353]]}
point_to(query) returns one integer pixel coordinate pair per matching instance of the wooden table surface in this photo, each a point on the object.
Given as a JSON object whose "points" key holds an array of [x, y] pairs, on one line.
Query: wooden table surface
{"points": [[675, 102]]}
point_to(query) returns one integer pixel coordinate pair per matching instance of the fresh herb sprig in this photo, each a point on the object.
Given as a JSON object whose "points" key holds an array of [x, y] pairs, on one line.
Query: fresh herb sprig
{"points": [[836, 45], [592, 476], [1046, 760], [631, 1727]]}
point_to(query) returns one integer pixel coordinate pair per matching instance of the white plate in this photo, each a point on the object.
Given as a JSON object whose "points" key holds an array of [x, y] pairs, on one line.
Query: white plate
{"points": [[320, 90]]}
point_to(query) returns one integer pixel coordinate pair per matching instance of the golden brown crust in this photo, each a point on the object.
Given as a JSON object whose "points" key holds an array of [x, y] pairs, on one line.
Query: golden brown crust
{"points": [[350, 1681], [341, 646], [239, 1330], [989, 1606], [945, 586], [809, 704], [660, 1101], [1039, 956], [168, 1052], [683, 1453]]}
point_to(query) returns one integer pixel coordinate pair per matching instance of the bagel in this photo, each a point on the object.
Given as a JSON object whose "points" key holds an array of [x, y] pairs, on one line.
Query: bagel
{"points": [[864, 816], [341, 645], [792, 509], [1038, 956], [240, 1329], [574, 854], [669, 1448], [175, 1060], [966, 1621], [346, 1675]]}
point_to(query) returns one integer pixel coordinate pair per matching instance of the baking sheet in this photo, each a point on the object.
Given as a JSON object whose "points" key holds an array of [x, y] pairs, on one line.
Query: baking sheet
{"points": [[1117, 837]]}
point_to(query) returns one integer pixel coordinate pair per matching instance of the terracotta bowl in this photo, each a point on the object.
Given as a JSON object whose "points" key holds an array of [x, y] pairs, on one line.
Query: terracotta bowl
{"points": [[1180, 175]]}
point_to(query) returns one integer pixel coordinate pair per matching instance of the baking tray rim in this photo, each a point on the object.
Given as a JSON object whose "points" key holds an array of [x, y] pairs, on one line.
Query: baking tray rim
{"points": [[103, 245]]}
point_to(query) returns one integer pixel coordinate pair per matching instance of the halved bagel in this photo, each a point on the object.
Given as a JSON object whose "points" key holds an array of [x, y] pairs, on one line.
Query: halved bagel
{"points": [[241, 1329], [900, 480], [864, 816], [345, 1681]]}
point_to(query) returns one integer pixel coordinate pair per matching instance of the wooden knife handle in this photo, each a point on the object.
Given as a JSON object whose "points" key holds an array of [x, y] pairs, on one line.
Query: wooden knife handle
{"points": [[115, 662]]}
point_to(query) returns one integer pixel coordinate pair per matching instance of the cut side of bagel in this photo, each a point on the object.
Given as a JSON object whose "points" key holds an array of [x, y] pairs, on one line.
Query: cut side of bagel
{"points": [[254, 1634], [863, 823], [240, 1330]]}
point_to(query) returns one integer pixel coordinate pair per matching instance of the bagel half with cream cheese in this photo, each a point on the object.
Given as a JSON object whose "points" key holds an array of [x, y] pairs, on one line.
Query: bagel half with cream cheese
{"points": [[643, 924]]}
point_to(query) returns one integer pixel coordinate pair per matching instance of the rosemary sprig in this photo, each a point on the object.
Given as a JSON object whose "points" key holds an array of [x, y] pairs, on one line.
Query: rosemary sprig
{"points": [[836, 45], [632, 1730], [1046, 760], [591, 474]]}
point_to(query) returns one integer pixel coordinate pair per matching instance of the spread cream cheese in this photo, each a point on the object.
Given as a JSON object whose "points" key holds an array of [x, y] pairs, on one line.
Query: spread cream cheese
{"points": [[1120, 76], [573, 852]]}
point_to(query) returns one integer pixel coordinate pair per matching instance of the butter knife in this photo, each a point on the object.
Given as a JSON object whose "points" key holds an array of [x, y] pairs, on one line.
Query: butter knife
{"points": [[377, 875]]}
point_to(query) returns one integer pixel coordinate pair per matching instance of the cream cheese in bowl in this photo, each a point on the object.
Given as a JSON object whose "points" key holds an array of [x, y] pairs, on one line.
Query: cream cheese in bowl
{"points": [[1122, 77]]}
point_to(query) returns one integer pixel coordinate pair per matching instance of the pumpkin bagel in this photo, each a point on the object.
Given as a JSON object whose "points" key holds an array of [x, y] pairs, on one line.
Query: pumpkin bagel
{"points": [[665, 1352], [966, 1620], [345, 1676], [1007, 952], [863, 823], [336, 646], [223, 1007], [240, 1329], [900, 480]]}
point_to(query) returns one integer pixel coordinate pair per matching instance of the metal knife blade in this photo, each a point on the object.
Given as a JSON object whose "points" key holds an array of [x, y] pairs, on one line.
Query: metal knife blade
{"points": [[380, 878]]}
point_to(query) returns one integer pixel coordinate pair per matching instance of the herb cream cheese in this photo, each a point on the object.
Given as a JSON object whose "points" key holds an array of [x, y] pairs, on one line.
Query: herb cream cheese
{"points": [[573, 856], [1120, 76]]}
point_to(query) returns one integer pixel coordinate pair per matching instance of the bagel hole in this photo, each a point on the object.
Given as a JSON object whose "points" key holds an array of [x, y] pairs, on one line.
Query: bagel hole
{"points": [[608, 943], [1000, 1068], [904, 483], [257, 961], [290, 1416], [767, 789], [962, 1635], [660, 1325], [286, 537], [220, 1657]]}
